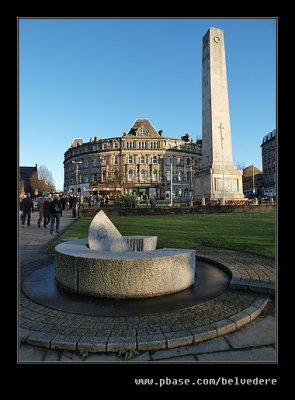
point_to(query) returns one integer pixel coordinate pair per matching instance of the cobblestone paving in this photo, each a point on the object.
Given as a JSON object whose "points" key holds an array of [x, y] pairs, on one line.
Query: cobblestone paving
{"points": [[60, 335], [58, 329]]}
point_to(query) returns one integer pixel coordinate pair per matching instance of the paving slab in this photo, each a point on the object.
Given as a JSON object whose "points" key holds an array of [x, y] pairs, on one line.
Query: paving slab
{"points": [[52, 355], [29, 353], [260, 332], [181, 359], [254, 355]]}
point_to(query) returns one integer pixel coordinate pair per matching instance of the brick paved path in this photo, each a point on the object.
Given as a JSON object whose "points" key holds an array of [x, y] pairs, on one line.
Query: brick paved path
{"points": [[183, 335]]}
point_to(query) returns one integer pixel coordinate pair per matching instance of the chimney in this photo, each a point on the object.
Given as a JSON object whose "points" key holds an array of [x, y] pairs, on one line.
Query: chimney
{"points": [[185, 137]]}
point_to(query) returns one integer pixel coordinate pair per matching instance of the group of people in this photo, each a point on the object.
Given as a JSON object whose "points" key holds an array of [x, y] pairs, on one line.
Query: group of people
{"points": [[50, 210], [98, 200]]}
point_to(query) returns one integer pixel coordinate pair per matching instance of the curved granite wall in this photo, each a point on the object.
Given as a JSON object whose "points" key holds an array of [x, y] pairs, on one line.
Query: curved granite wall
{"points": [[120, 275]]}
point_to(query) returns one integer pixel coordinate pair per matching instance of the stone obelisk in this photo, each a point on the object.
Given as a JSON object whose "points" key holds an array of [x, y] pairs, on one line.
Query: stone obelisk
{"points": [[217, 177]]}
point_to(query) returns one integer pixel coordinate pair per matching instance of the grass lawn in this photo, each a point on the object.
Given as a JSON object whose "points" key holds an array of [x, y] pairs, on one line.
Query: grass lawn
{"points": [[248, 232]]}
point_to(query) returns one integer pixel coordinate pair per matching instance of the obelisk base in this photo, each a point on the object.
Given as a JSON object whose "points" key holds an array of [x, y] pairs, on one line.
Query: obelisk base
{"points": [[216, 183]]}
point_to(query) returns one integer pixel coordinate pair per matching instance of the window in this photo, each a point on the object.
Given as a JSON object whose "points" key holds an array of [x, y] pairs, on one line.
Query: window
{"points": [[115, 145], [168, 161], [130, 160], [178, 160], [178, 175], [104, 176], [130, 175], [85, 163], [155, 160], [104, 146], [168, 176], [95, 162], [86, 178], [142, 175], [188, 161], [155, 175], [94, 177], [116, 160], [142, 160]]}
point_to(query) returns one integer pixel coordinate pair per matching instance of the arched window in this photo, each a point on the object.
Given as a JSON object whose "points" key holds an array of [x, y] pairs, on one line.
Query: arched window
{"points": [[155, 175], [142, 174], [130, 175]]}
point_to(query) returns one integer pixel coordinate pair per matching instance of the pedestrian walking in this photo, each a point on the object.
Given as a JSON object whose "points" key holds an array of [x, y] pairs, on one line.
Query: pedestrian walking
{"points": [[46, 210], [54, 208], [26, 207]]}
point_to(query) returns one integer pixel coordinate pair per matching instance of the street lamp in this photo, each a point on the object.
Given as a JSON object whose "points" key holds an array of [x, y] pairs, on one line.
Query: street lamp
{"points": [[76, 205], [253, 180], [191, 185], [171, 181]]}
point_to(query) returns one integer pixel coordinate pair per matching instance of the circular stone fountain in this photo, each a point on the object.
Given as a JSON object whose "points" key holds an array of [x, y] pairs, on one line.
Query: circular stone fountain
{"points": [[110, 265]]}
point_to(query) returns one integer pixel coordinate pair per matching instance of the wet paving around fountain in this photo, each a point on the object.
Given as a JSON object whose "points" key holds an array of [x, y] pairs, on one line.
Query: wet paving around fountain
{"points": [[232, 317], [40, 287]]}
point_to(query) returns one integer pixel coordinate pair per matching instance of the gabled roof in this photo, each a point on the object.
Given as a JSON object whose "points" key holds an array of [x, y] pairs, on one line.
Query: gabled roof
{"points": [[77, 142], [142, 127], [27, 172]]}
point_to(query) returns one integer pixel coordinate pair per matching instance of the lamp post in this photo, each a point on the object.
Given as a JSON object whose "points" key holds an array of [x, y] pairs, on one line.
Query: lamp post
{"points": [[171, 181], [76, 210], [253, 180], [191, 186]]}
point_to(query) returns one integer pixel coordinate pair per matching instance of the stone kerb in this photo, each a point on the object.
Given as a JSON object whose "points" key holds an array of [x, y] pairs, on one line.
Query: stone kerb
{"points": [[122, 275]]}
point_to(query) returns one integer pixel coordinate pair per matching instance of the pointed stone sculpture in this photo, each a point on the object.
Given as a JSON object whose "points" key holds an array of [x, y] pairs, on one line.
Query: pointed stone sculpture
{"points": [[104, 236], [217, 176]]}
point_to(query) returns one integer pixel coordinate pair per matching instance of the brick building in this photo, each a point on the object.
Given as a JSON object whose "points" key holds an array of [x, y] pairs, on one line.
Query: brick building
{"points": [[268, 149], [252, 181], [25, 175]]}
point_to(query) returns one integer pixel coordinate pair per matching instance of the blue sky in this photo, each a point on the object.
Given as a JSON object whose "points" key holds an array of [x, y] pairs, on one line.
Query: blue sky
{"points": [[80, 78]]}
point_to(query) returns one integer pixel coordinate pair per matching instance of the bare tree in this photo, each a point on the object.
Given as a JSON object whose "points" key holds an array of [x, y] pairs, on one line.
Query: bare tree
{"points": [[43, 182], [45, 175], [240, 165]]}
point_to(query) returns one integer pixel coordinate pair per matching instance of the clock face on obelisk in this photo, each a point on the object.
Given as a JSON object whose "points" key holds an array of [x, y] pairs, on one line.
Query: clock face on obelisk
{"points": [[216, 39]]}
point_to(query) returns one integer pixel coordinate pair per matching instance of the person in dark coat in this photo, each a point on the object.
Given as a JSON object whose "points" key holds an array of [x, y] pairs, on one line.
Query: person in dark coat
{"points": [[26, 207], [46, 210], [54, 207]]}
